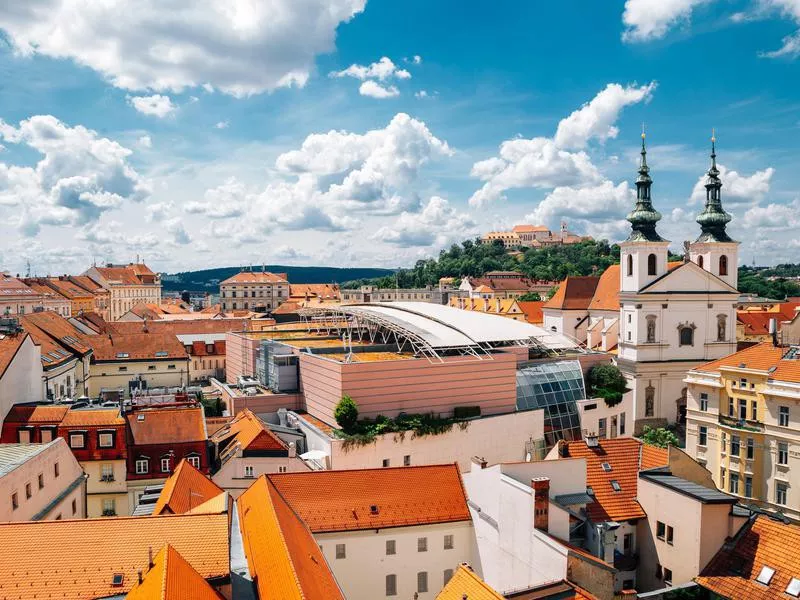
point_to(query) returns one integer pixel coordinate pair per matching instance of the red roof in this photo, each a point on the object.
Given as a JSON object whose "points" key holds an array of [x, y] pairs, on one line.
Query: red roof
{"points": [[180, 327], [185, 489], [625, 457], [256, 277], [574, 293], [761, 357], [532, 311], [251, 433], [172, 578], [401, 496], [167, 425], [104, 417], [136, 346], [733, 571], [9, 346], [606, 295]]}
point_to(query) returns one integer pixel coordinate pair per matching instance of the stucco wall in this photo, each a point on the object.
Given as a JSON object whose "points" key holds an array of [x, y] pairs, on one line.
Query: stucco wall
{"points": [[231, 476], [108, 375], [240, 356], [22, 381]]}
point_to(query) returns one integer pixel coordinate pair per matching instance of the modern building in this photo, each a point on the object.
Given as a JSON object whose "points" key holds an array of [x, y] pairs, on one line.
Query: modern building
{"points": [[742, 424], [40, 482], [127, 285], [259, 291]]}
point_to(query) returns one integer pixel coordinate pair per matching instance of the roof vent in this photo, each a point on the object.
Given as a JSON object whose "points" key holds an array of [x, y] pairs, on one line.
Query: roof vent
{"points": [[742, 365], [373, 509], [117, 579], [590, 491], [606, 467], [766, 575]]}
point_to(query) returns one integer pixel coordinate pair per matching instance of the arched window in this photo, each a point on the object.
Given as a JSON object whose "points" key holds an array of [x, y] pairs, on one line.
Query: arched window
{"points": [[700, 261], [723, 265], [722, 322], [630, 265], [651, 264], [651, 329], [686, 335]]}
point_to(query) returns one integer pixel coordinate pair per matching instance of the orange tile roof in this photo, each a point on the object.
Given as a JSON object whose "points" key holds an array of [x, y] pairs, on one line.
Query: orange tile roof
{"points": [[167, 425], [67, 288], [606, 296], [79, 558], [529, 228], [466, 584], [733, 571], [404, 496], [181, 327], [626, 457], [251, 433], [574, 293], [185, 489], [137, 346], [256, 277], [121, 275], [172, 578], [42, 413], [760, 357], [653, 456], [87, 283], [9, 346], [93, 418], [60, 330], [282, 555], [532, 311], [11, 286], [326, 291]]}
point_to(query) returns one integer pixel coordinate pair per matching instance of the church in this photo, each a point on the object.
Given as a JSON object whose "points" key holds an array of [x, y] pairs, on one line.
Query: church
{"points": [[661, 318]]}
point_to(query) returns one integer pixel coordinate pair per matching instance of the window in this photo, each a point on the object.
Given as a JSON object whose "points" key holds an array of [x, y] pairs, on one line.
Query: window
{"points": [[783, 453], [248, 471], [341, 551], [194, 460], [751, 448], [704, 402], [731, 409], [172, 367], [743, 383], [734, 483], [105, 440], [40, 479], [151, 367], [407, 460], [735, 445], [659, 572], [122, 369], [24, 435], [422, 582], [109, 507], [391, 585], [142, 466], [448, 542], [391, 547], [448, 575], [107, 472], [700, 261], [742, 409], [74, 506], [601, 428], [615, 485], [723, 265], [667, 576], [622, 424], [386, 462], [281, 469], [47, 434], [722, 478], [77, 440], [56, 470], [702, 435], [165, 465], [793, 589], [783, 416], [651, 264], [765, 576], [14, 501], [780, 493], [660, 530], [748, 487], [686, 336], [754, 410], [28, 491], [670, 534], [630, 265], [422, 544], [723, 442]]}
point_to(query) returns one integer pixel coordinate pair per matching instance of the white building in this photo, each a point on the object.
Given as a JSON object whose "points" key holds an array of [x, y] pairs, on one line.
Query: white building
{"points": [[20, 370]]}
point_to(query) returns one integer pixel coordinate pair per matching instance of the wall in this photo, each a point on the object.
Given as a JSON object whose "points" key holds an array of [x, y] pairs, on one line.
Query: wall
{"points": [[98, 490], [240, 356], [22, 381], [416, 385], [592, 576], [70, 482], [157, 373], [231, 477], [621, 414], [368, 548]]}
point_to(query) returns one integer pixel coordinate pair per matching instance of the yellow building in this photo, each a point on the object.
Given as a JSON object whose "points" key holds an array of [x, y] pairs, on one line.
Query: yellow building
{"points": [[128, 286], [503, 307], [258, 291], [743, 424]]}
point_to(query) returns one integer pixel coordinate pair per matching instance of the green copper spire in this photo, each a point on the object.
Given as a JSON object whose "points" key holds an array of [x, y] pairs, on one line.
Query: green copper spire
{"points": [[713, 219], [644, 217]]}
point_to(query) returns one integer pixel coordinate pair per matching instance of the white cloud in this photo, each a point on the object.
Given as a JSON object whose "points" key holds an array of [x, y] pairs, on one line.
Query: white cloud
{"points": [[543, 162], [603, 202], [774, 217], [382, 70], [156, 105], [596, 119], [222, 202], [421, 94], [437, 224], [286, 252], [376, 90], [417, 60], [222, 125], [79, 177], [737, 189], [789, 49], [145, 141], [646, 20], [240, 48]]}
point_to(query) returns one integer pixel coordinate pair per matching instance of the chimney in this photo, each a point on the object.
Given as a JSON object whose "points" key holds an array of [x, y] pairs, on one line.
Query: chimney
{"points": [[150, 558], [497, 305], [292, 450], [541, 503], [773, 331], [140, 576], [486, 305], [479, 462]]}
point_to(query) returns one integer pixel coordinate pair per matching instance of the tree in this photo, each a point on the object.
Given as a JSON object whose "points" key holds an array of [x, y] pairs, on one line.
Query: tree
{"points": [[660, 437], [530, 297], [607, 382], [346, 413]]}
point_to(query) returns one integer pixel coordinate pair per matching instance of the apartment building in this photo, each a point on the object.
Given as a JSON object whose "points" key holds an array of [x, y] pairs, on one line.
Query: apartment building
{"points": [[257, 291], [128, 285], [101, 297], [17, 298], [80, 299], [743, 424], [40, 482]]}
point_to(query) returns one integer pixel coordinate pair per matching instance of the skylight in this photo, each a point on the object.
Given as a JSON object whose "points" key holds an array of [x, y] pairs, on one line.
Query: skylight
{"points": [[793, 589], [54, 354], [122, 355], [766, 575], [161, 353], [117, 579], [46, 359], [606, 467], [615, 485]]}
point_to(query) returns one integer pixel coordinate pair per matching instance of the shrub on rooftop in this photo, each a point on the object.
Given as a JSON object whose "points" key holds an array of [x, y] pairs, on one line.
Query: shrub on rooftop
{"points": [[346, 413], [660, 437], [607, 382]]}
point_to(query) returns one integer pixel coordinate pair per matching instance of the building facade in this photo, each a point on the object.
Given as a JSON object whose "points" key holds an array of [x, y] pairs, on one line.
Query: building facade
{"points": [[17, 298], [20, 370], [127, 285], [253, 290]]}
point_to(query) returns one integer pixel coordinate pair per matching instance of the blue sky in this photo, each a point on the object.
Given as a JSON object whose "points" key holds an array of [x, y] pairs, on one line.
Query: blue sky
{"points": [[374, 133]]}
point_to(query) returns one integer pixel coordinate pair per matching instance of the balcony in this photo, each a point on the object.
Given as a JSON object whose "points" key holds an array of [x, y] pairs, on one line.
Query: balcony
{"points": [[107, 478], [625, 562], [742, 424]]}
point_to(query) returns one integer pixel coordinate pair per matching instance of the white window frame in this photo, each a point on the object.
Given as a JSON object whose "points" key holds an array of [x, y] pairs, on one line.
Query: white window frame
{"points": [[105, 434], [80, 436], [139, 463], [249, 471], [165, 463], [194, 460]]}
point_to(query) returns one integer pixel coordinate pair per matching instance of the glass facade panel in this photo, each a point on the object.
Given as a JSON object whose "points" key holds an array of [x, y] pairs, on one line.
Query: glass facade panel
{"points": [[555, 387]]}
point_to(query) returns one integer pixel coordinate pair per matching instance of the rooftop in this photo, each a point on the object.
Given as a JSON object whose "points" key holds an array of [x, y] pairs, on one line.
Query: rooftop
{"points": [[186, 489], [36, 413], [574, 293], [93, 417], [779, 363], [167, 425], [466, 584], [606, 294], [687, 488], [249, 433], [16, 455], [172, 578], [375, 498], [255, 277], [9, 345], [107, 547], [762, 562], [136, 346]]}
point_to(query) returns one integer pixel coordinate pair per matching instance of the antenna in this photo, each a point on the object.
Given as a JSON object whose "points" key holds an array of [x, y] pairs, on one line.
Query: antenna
{"points": [[27, 268]]}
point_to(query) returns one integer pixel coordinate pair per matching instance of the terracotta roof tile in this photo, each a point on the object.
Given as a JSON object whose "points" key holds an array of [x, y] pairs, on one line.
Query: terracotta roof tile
{"points": [[172, 578], [761, 357], [121, 275], [185, 489], [404, 496], [574, 293], [733, 571], [255, 277], [67, 288], [34, 414], [466, 584], [137, 346], [532, 310], [81, 557], [93, 418], [282, 555], [653, 457], [606, 295], [167, 425], [529, 229], [251, 433], [326, 291], [181, 327]]}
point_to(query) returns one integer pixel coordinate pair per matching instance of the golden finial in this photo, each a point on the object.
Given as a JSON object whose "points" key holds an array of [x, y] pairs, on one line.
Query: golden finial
{"points": [[643, 133], [713, 136]]}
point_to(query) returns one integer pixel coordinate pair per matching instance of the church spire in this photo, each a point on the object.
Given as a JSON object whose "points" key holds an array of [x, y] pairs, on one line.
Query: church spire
{"points": [[644, 217], [713, 219]]}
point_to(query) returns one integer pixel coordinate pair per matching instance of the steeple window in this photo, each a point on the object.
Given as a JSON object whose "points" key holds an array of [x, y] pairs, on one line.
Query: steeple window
{"points": [[630, 265], [651, 264], [723, 266]]}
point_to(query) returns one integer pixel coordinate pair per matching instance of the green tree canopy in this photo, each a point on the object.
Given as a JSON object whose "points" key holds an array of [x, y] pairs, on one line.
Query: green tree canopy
{"points": [[660, 437], [606, 381], [346, 413]]}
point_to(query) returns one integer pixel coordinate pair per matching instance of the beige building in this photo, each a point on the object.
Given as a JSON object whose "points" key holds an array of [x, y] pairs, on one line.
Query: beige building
{"points": [[128, 285], [532, 236], [253, 290], [20, 370], [40, 482], [17, 298], [743, 424]]}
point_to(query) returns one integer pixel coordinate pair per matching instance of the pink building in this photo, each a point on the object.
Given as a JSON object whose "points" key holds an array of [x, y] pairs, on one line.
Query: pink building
{"points": [[16, 298]]}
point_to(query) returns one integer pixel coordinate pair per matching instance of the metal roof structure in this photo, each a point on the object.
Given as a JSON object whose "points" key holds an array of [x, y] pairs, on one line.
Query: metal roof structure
{"points": [[434, 329], [688, 488], [15, 455]]}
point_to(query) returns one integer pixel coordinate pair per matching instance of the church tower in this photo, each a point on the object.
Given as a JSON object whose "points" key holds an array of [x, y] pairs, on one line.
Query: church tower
{"points": [[714, 250], [644, 254]]}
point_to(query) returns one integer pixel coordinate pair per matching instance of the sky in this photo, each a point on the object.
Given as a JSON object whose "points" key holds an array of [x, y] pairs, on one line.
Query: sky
{"points": [[206, 133]]}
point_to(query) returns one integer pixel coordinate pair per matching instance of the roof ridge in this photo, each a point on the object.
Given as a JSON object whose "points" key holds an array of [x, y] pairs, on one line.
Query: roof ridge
{"points": [[164, 568]]}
